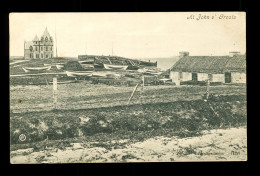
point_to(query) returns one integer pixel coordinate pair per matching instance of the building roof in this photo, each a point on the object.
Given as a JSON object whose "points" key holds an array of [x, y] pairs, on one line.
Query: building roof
{"points": [[237, 63], [36, 38], [210, 64], [46, 33], [27, 44]]}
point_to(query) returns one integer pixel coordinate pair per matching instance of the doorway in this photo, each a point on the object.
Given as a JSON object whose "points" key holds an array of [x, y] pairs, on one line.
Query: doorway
{"points": [[227, 77], [194, 76]]}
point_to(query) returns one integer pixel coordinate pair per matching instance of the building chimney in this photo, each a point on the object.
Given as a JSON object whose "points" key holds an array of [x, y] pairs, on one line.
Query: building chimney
{"points": [[183, 54], [233, 53]]}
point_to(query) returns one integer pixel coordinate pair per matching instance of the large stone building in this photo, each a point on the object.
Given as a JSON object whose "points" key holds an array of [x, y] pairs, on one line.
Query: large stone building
{"points": [[39, 48], [224, 69]]}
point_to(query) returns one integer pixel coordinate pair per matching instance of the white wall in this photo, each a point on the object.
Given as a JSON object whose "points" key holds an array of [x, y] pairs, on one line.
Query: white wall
{"points": [[218, 78], [215, 77], [202, 76], [174, 76], [238, 77], [186, 76]]}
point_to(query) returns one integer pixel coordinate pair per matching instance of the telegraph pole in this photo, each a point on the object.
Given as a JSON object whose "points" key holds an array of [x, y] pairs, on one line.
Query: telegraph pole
{"points": [[56, 41]]}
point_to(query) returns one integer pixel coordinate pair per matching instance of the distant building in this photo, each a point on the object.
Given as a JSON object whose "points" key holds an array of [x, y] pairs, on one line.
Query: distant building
{"points": [[39, 48], [224, 69]]}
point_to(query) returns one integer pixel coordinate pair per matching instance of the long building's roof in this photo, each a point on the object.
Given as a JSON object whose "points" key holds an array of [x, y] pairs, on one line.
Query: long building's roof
{"points": [[210, 64]]}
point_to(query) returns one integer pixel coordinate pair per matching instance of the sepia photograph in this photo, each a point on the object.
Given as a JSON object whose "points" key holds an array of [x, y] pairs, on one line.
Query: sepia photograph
{"points": [[127, 87]]}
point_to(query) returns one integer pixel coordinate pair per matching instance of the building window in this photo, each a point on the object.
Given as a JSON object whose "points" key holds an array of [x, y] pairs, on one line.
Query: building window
{"points": [[210, 77], [37, 55], [51, 48], [180, 75], [41, 48], [46, 55], [36, 48], [41, 55], [46, 48], [46, 39], [227, 77], [31, 48], [51, 55], [194, 76]]}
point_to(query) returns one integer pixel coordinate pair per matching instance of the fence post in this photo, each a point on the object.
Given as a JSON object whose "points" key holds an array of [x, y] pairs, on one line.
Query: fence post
{"points": [[208, 84], [142, 91], [55, 87], [132, 94], [143, 82]]}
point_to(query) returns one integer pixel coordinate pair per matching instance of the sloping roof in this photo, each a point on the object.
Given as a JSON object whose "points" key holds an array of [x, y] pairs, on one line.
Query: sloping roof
{"points": [[27, 44], [46, 33], [237, 63], [210, 64], [36, 38]]}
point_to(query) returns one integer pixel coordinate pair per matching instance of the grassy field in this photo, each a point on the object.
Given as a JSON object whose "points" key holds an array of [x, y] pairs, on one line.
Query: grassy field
{"points": [[105, 110], [173, 131], [84, 95], [96, 117]]}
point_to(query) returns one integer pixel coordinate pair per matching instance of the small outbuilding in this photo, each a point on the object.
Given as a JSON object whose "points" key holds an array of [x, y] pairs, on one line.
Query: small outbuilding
{"points": [[224, 69]]}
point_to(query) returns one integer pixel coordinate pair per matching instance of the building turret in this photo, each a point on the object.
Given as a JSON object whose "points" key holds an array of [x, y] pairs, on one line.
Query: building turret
{"points": [[36, 38], [46, 35]]}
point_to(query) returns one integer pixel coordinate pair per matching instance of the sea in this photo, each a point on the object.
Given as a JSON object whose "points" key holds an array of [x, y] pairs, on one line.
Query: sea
{"points": [[163, 63]]}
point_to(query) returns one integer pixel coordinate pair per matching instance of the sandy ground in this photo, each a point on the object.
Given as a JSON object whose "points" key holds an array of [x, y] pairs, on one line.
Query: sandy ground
{"points": [[213, 145]]}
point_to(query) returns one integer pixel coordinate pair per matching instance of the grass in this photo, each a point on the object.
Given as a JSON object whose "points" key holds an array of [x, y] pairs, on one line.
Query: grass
{"points": [[82, 95], [124, 123], [165, 111]]}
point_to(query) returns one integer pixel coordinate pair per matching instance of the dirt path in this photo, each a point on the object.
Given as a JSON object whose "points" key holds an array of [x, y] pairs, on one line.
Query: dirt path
{"points": [[213, 145]]}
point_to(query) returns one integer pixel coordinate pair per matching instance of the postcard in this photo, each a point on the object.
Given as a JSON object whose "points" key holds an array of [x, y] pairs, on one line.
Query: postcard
{"points": [[127, 87]]}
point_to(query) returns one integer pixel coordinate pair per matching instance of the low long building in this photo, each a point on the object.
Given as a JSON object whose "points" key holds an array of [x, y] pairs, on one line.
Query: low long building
{"points": [[224, 69]]}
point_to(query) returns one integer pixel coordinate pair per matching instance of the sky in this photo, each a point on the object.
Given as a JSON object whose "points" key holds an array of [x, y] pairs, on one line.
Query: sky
{"points": [[133, 35]]}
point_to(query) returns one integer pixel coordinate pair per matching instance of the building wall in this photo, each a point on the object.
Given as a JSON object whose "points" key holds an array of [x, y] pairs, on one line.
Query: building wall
{"points": [[186, 76], [175, 76], [41, 52], [203, 76], [238, 77], [215, 77], [44, 49], [27, 53], [218, 78]]}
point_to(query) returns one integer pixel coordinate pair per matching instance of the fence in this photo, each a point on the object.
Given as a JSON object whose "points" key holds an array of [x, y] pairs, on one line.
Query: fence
{"points": [[83, 95]]}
